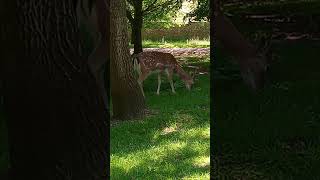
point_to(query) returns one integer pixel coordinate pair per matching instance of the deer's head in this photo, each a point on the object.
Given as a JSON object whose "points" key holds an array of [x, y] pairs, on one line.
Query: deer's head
{"points": [[189, 83], [254, 69], [264, 51], [189, 80]]}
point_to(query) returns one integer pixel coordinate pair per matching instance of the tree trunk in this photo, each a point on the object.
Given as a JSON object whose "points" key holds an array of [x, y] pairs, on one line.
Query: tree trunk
{"points": [[127, 99], [137, 27], [137, 35], [56, 118]]}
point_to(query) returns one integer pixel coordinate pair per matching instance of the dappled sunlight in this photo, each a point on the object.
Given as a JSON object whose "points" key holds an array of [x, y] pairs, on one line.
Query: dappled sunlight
{"points": [[188, 43], [163, 157], [168, 130], [195, 42], [201, 132], [201, 161], [125, 163], [170, 144], [197, 176]]}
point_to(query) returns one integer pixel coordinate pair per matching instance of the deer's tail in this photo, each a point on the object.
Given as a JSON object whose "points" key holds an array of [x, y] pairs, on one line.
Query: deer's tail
{"points": [[135, 61]]}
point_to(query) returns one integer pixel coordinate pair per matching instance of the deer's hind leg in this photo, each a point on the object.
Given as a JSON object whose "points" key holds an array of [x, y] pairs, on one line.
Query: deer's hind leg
{"points": [[169, 75], [141, 78]]}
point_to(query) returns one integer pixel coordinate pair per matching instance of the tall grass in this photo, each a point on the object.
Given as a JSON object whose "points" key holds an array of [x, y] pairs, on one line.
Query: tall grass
{"points": [[165, 43]]}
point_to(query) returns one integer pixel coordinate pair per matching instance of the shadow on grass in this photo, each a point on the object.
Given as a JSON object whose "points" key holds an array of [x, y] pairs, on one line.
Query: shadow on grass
{"points": [[166, 150]]}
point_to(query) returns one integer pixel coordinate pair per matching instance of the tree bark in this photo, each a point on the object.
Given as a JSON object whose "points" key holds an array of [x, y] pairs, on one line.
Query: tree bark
{"points": [[57, 124], [127, 99]]}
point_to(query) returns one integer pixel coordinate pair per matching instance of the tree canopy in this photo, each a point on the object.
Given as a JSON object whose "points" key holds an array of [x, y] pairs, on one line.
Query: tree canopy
{"points": [[154, 10], [201, 12]]}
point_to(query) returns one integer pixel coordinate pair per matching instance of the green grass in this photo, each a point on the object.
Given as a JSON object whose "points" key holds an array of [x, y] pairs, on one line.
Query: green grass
{"points": [[174, 142], [179, 43], [274, 134]]}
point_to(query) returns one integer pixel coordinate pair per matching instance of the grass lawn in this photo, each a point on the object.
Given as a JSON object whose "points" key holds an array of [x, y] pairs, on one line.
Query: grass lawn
{"points": [[192, 43], [174, 142], [276, 133]]}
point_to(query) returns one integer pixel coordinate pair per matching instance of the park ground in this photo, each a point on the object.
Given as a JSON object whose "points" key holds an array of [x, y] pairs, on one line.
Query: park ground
{"points": [[173, 142]]}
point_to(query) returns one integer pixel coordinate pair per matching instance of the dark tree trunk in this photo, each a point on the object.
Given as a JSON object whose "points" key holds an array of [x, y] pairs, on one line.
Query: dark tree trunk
{"points": [[132, 35], [127, 99], [137, 27], [57, 123], [137, 35]]}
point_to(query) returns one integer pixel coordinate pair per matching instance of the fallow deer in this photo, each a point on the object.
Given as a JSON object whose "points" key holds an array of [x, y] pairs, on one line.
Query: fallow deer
{"points": [[253, 62], [146, 63]]}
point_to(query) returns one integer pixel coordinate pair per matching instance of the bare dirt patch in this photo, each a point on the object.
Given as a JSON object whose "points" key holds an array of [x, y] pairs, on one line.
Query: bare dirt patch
{"points": [[181, 52]]}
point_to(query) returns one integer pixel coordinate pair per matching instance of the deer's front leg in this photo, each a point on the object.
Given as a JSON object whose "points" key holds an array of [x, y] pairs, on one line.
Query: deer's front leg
{"points": [[159, 83], [140, 81], [169, 74]]}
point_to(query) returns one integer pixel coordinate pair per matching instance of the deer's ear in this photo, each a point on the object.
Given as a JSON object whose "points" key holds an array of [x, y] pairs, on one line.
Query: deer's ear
{"points": [[265, 44], [193, 74]]}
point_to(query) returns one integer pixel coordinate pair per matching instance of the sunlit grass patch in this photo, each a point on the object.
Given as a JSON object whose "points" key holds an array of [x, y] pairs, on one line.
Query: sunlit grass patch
{"points": [[202, 161], [199, 132], [197, 176], [183, 43]]}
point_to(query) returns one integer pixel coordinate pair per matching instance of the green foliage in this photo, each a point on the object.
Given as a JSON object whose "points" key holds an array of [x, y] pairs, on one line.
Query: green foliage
{"points": [[202, 11], [159, 20], [193, 31], [155, 11], [171, 143]]}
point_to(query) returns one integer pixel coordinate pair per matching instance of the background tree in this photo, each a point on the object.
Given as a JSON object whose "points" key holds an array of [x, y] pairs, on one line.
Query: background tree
{"points": [[127, 99], [201, 12], [56, 118], [137, 10]]}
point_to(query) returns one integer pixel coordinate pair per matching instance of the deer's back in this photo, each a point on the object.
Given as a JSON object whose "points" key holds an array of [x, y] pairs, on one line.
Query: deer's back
{"points": [[153, 59]]}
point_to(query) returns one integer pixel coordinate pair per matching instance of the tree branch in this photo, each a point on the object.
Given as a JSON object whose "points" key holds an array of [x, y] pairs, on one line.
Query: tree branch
{"points": [[150, 6], [129, 16], [154, 7], [130, 2]]}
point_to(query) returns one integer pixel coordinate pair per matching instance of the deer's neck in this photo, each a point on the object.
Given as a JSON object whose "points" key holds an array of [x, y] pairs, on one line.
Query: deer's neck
{"points": [[181, 73], [232, 39]]}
